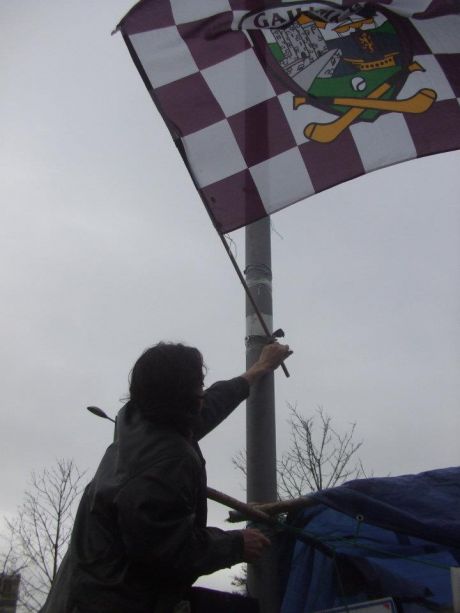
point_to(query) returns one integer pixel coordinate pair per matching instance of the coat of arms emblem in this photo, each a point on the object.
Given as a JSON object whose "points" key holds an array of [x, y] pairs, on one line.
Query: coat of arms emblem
{"points": [[349, 62]]}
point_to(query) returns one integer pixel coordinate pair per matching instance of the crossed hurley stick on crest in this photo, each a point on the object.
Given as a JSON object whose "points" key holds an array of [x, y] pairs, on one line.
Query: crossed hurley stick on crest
{"points": [[327, 132]]}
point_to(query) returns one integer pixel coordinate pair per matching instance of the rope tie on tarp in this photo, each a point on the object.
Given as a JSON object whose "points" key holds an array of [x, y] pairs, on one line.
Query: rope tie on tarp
{"points": [[317, 540]]}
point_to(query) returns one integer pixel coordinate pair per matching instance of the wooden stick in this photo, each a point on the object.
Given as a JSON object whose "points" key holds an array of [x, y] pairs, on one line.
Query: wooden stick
{"points": [[259, 512], [245, 509], [249, 295]]}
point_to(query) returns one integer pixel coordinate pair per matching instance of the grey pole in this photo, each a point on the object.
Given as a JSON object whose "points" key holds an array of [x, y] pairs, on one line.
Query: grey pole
{"points": [[260, 408]]}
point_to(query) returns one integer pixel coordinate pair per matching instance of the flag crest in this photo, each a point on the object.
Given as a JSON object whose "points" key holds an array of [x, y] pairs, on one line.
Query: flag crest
{"points": [[270, 103]]}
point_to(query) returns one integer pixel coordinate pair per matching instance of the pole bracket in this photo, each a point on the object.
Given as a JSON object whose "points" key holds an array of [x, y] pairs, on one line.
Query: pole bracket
{"points": [[263, 339]]}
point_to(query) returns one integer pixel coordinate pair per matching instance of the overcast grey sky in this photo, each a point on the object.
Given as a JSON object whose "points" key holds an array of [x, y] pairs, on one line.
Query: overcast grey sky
{"points": [[106, 249]]}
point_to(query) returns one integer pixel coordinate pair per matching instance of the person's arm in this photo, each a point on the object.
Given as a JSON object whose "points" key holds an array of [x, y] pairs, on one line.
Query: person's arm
{"points": [[157, 518], [224, 396]]}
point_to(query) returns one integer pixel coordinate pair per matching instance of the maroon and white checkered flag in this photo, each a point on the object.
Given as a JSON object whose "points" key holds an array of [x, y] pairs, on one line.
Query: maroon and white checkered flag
{"points": [[271, 102]]}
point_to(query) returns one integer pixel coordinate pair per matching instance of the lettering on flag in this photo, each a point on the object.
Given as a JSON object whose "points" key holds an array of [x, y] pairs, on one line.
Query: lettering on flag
{"points": [[272, 102], [284, 15]]}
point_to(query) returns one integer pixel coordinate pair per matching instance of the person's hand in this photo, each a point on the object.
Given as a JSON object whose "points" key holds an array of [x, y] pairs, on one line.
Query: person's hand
{"points": [[254, 544], [271, 356]]}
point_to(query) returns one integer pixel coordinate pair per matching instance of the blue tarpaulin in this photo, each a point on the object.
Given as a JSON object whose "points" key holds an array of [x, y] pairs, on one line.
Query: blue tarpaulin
{"points": [[374, 538]]}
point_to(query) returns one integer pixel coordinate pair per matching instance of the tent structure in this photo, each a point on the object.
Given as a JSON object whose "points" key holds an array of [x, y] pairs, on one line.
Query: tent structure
{"points": [[368, 539]]}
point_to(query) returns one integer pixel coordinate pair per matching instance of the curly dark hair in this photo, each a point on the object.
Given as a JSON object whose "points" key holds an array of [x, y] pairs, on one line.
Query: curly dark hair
{"points": [[166, 383]]}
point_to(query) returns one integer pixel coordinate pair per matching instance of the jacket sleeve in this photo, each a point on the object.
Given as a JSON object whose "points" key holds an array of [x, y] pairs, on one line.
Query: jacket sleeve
{"points": [[219, 401], [157, 518]]}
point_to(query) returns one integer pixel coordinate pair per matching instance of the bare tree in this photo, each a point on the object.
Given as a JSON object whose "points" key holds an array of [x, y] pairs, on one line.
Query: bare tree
{"points": [[9, 564], [318, 457], [40, 532]]}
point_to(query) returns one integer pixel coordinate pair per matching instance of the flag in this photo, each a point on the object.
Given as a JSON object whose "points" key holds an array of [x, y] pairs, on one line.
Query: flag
{"points": [[270, 102]]}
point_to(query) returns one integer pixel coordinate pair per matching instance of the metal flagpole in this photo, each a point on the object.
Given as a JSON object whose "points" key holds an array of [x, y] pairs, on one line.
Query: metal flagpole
{"points": [[260, 407]]}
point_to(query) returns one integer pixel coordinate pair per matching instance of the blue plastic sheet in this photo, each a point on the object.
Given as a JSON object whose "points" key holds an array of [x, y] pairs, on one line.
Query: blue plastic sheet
{"points": [[394, 536]]}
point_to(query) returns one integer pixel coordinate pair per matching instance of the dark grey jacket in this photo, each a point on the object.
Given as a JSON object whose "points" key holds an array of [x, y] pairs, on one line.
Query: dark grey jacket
{"points": [[140, 536]]}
